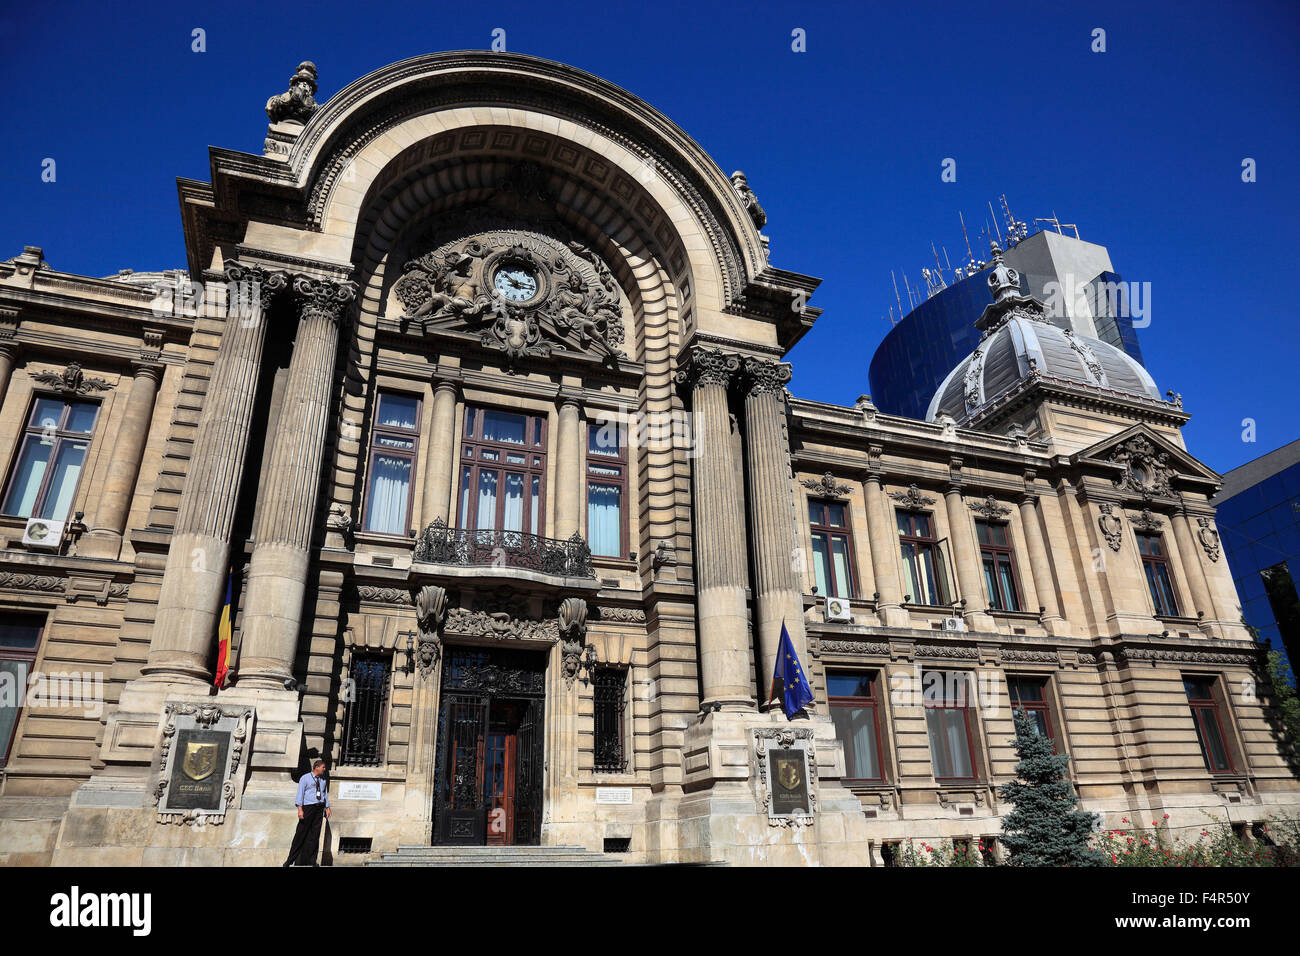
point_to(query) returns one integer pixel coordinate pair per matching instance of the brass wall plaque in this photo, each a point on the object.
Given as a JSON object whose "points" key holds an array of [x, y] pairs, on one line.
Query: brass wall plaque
{"points": [[198, 771], [789, 781]]}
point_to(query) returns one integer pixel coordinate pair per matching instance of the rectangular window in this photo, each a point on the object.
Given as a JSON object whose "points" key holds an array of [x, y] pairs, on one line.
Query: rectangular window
{"points": [[923, 566], [1202, 697], [999, 566], [366, 717], [503, 471], [1032, 695], [1155, 564], [610, 690], [394, 443], [52, 450], [20, 636], [607, 488], [855, 711], [832, 544], [948, 722]]}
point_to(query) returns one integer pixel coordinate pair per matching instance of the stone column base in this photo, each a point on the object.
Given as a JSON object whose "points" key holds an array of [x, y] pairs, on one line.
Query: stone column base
{"points": [[722, 816]]}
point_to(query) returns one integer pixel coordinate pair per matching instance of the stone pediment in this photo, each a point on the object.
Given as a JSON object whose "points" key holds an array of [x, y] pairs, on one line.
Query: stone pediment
{"points": [[523, 288], [1149, 465]]}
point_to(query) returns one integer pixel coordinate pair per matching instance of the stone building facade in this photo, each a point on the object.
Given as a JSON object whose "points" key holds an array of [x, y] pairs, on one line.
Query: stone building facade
{"points": [[469, 413]]}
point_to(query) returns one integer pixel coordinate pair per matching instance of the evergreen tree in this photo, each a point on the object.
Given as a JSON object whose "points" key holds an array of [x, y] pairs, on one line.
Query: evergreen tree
{"points": [[1046, 828]]}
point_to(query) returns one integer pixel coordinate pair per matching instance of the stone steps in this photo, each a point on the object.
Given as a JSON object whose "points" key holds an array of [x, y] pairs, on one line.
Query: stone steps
{"points": [[512, 856]]}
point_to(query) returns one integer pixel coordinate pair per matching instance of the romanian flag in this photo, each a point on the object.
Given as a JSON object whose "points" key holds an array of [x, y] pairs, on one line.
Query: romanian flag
{"points": [[223, 635]]}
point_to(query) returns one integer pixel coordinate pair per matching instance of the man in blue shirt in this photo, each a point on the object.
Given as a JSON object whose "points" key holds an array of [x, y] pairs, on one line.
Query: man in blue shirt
{"points": [[313, 808]]}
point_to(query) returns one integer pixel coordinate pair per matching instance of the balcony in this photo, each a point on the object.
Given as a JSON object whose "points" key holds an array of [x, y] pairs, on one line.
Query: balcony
{"points": [[489, 550]]}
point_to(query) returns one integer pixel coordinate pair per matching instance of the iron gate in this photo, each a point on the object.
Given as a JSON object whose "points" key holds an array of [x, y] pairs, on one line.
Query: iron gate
{"points": [[490, 747]]}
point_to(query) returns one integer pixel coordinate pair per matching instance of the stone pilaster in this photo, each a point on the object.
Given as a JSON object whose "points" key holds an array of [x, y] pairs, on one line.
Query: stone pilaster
{"points": [[277, 575], [772, 520], [882, 540], [195, 577], [568, 467], [438, 482], [1040, 567], [965, 554], [720, 554], [104, 539], [8, 349]]}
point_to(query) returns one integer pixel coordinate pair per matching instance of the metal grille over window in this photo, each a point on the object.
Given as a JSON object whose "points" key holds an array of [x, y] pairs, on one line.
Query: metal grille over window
{"points": [[610, 684], [363, 734]]}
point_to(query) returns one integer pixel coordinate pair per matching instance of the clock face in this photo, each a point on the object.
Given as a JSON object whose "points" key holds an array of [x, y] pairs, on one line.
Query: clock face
{"points": [[516, 282]]}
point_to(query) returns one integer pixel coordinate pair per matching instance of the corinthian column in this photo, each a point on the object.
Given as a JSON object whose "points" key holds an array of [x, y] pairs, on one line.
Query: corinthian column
{"points": [[8, 348], [195, 577], [966, 557], [282, 531], [882, 539], [772, 518], [105, 536], [720, 558]]}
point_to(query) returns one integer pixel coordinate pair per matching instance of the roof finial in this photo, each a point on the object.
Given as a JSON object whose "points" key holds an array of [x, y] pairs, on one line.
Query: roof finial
{"points": [[297, 104], [1004, 281]]}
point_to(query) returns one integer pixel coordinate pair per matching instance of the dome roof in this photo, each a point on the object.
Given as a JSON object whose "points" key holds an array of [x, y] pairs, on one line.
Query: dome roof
{"points": [[1019, 342]]}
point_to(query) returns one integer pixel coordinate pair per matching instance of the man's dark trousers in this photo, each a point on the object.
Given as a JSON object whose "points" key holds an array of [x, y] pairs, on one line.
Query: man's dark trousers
{"points": [[306, 839]]}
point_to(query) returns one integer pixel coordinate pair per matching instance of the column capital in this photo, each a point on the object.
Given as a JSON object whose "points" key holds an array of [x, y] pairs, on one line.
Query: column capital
{"points": [[446, 381], [142, 368], [763, 377], [324, 297], [705, 366], [252, 280], [568, 397]]}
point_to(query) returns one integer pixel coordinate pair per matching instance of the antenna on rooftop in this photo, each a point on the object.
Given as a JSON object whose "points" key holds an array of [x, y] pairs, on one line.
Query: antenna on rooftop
{"points": [[995, 224], [901, 313]]}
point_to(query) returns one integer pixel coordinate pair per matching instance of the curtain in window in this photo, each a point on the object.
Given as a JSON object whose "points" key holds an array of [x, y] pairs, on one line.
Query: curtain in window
{"points": [[821, 565], [389, 487], [841, 558], [948, 744], [856, 728], [28, 476], [63, 484], [487, 499], [603, 524], [513, 519]]}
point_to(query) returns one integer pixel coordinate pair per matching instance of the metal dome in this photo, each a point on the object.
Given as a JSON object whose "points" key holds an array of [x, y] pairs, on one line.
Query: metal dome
{"points": [[1019, 342]]}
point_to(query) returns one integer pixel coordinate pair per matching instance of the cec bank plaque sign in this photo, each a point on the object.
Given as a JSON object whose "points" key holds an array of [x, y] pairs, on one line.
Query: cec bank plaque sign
{"points": [[199, 760], [787, 774]]}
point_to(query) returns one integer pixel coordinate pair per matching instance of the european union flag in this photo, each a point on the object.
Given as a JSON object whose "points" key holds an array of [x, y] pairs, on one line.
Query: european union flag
{"points": [[788, 681]]}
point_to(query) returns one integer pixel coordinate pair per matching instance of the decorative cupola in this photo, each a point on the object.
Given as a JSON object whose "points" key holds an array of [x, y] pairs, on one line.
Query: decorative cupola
{"points": [[1057, 385]]}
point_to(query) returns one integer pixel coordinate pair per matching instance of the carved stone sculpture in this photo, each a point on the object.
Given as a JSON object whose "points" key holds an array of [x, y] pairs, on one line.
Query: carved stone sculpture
{"points": [[298, 103]]}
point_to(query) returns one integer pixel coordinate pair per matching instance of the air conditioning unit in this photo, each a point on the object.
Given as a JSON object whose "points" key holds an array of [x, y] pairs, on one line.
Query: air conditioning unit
{"points": [[837, 609], [954, 624], [43, 533]]}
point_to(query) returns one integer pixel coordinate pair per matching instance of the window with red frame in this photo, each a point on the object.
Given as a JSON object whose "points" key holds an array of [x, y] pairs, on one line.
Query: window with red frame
{"points": [[1155, 564], [20, 637], [832, 545], [503, 471], [947, 698], [607, 488], [1203, 699], [1033, 696], [854, 700], [999, 566]]}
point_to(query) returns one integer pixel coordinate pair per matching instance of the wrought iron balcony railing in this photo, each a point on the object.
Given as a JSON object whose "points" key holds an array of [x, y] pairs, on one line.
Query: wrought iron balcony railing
{"points": [[470, 548]]}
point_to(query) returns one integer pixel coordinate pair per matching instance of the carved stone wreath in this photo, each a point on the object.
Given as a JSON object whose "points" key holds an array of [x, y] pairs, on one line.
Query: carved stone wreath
{"points": [[576, 306], [1146, 521], [800, 738], [1147, 471], [989, 508], [72, 379], [827, 486], [912, 498], [1110, 525]]}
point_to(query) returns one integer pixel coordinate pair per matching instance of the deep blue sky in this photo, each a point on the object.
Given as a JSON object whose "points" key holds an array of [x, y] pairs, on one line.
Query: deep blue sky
{"points": [[1141, 146]]}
